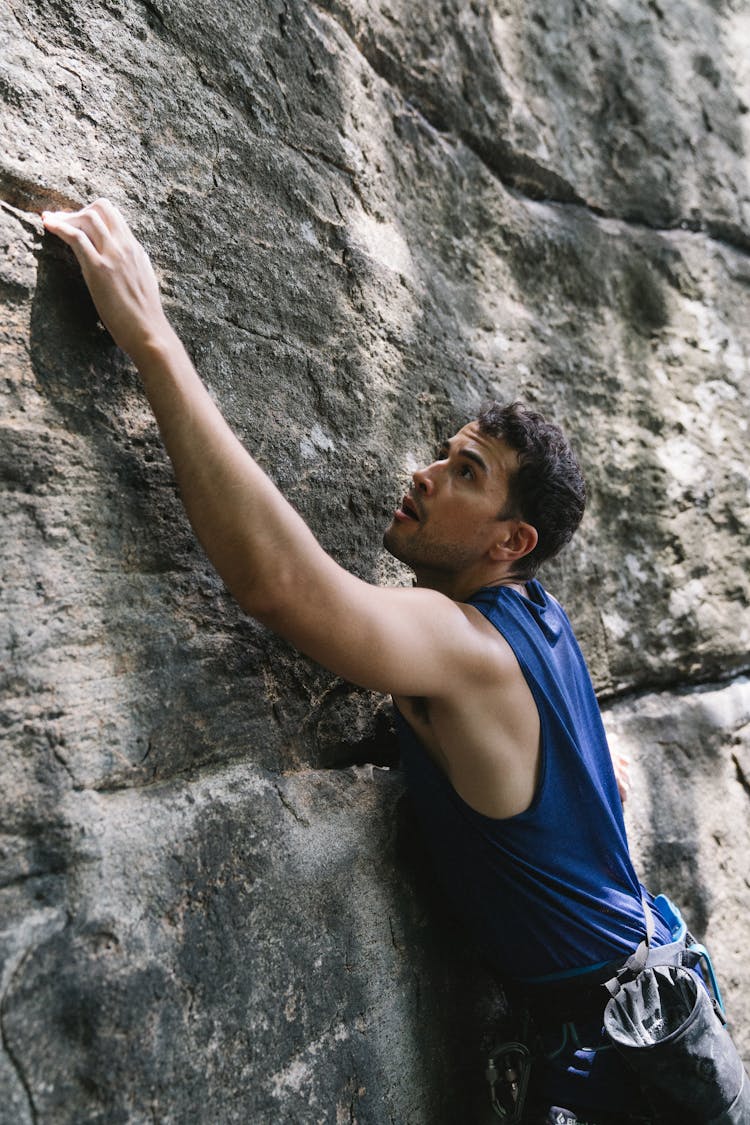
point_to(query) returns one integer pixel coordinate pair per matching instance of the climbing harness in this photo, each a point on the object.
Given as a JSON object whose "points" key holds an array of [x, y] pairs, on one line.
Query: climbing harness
{"points": [[672, 1033], [665, 1017]]}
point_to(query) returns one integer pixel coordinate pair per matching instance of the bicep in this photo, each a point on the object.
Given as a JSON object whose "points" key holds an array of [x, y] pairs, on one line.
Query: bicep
{"points": [[389, 639]]}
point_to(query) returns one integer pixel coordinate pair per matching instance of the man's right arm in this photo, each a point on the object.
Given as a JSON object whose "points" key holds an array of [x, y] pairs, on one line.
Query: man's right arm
{"points": [[236, 511], [408, 642]]}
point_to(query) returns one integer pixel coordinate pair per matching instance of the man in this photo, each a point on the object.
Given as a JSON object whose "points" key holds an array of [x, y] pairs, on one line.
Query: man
{"points": [[502, 741]]}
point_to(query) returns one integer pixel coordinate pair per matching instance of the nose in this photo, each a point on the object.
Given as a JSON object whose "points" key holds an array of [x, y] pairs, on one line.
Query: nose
{"points": [[423, 480]]}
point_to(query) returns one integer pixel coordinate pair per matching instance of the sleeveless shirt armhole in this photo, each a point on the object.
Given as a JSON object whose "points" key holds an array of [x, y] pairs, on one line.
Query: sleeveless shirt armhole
{"points": [[543, 739], [456, 796], [540, 785]]}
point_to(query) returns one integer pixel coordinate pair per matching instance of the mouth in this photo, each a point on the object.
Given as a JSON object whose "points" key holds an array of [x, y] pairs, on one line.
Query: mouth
{"points": [[408, 510]]}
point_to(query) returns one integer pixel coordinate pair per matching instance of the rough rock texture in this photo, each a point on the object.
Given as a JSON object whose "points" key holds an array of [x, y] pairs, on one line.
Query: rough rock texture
{"points": [[366, 217]]}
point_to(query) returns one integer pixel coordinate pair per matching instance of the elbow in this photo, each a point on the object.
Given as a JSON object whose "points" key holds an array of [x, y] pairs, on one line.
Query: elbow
{"points": [[268, 602]]}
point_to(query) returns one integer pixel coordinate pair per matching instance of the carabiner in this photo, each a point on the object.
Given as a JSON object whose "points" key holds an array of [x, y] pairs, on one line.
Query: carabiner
{"points": [[508, 1070]]}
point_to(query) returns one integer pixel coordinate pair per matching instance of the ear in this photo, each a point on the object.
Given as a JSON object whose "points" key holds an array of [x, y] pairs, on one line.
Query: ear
{"points": [[514, 540]]}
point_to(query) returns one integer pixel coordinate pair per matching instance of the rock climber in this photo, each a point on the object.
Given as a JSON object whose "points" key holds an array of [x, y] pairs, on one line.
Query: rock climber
{"points": [[502, 742]]}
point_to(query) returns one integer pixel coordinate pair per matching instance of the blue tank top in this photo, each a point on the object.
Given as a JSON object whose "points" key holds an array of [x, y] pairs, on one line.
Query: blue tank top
{"points": [[552, 891]]}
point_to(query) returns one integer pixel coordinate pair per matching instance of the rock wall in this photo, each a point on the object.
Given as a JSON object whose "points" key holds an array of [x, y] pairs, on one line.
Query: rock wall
{"points": [[366, 218]]}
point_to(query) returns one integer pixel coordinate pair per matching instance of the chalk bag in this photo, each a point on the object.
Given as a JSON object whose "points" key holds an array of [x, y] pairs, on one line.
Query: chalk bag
{"points": [[666, 1028]]}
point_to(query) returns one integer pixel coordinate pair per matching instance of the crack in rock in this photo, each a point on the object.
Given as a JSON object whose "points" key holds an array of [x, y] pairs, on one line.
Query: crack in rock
{"points": [[290, 807], [742, 777], [684, 687], [46, 926], [14, 1061], [27, 195], [521, 174]]}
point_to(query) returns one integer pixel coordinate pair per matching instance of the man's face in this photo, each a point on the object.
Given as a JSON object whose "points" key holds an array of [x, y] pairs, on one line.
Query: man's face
{"points": [[449, 518]]}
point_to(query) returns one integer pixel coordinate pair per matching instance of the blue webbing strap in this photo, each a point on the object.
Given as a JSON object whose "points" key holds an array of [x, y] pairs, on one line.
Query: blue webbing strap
{"points": [[637, 961]]}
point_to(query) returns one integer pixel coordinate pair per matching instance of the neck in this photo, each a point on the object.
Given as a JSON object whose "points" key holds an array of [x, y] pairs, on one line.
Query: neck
{"points": [[460, 587]]}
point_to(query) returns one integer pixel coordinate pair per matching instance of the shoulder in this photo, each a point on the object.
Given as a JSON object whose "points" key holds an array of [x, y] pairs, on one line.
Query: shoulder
{"points": [[494, 652]]}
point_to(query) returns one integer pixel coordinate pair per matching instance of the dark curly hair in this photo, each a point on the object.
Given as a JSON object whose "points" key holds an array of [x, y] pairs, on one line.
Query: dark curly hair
{"points": [[547, 490]]}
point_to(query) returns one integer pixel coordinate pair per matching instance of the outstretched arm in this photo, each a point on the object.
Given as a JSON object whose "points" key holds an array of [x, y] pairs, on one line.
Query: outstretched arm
{"points": [[386, 639], [238, 514]]}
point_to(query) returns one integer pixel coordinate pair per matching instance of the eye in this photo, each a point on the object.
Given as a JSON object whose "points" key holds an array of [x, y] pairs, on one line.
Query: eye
{"points": [[466, 472]]}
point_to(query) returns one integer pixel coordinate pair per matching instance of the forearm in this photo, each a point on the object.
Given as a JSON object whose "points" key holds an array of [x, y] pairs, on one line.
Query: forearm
{"points": [[255, 539], [253, 536]]}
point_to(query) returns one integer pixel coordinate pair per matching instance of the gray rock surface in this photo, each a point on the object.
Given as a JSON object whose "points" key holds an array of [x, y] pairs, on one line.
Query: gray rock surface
{"points": [[366, 218], [235, 948]]}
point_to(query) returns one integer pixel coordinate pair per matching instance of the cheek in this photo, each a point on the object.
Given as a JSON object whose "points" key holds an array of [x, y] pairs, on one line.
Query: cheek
{"points": [[464, 526], [477, 527]]}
